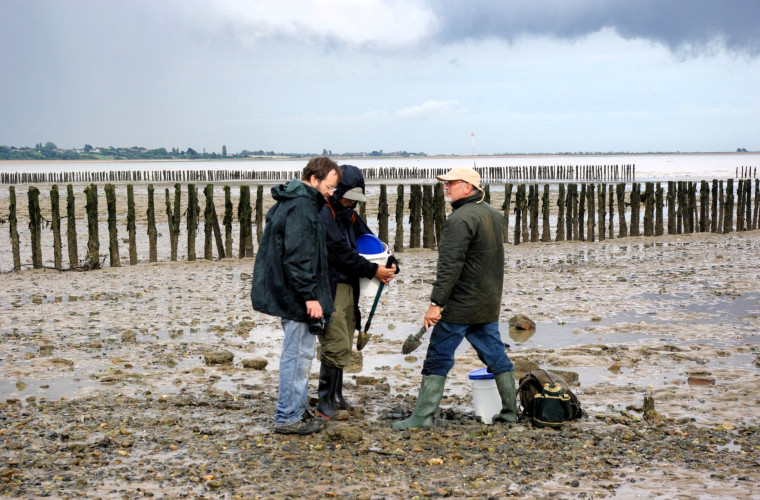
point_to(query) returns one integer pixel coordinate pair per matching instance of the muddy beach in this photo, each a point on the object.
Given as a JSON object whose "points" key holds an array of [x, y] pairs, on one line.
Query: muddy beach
{"points": [[114, 383]]}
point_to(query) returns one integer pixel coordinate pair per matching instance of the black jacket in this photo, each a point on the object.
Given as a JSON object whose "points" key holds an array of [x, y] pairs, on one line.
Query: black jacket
{"points": [[343, 225], [291, 264]]}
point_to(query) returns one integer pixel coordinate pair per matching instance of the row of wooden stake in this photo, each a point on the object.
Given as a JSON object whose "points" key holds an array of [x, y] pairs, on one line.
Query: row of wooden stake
{"points": [[585, 212]]}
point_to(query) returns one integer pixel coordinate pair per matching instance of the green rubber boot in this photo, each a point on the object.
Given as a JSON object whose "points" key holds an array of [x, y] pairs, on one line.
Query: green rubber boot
{"points": [[507, 390], [428, 400]]}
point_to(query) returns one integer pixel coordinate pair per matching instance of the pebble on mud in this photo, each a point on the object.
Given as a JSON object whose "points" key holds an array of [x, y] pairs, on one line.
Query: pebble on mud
{"points": [[255, 364], [218, 357]]}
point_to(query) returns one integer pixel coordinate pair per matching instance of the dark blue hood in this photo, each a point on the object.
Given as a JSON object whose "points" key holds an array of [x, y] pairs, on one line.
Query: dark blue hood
{"points": [[352, 178]]}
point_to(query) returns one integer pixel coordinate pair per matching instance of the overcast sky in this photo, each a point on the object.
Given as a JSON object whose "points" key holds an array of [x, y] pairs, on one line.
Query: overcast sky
{"points": [[393, 75]]}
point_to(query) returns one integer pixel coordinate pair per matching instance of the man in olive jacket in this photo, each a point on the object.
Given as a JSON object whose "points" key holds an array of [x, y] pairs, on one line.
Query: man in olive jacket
{"points": [[291, 281], [466, 297]]}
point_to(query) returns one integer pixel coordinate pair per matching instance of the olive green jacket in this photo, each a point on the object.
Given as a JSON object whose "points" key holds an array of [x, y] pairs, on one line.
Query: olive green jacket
{"points": [[470, 275]]}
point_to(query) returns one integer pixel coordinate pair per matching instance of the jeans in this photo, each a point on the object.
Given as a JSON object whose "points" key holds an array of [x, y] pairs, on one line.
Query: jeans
{"points": [[298, 350], [484, 337]]}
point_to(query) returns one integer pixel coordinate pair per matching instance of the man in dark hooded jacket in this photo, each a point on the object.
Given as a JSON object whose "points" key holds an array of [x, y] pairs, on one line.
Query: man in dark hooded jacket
{"points": [[343, 225], [291, 281]]}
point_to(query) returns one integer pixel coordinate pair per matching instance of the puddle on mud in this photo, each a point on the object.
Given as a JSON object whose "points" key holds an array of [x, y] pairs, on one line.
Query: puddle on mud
{"points": [[181, 344]]}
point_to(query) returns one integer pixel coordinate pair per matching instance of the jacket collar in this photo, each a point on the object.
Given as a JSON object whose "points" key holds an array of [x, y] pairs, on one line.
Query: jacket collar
{"points": [[477, 197]]}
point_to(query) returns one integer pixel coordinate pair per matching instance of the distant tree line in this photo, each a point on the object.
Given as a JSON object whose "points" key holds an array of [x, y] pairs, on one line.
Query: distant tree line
{"points": [[49, 151]]}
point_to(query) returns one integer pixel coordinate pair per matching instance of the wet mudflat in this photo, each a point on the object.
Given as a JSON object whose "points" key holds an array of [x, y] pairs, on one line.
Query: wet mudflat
{"points": [[113, 383]]}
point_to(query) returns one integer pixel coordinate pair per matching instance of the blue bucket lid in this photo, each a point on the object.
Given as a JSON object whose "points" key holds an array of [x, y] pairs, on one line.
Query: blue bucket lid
{"points": [[480, 374], [369, 244]]}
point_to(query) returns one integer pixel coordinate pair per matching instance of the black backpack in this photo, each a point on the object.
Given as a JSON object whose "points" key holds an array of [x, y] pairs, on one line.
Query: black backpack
{"points": [[544, 398]]}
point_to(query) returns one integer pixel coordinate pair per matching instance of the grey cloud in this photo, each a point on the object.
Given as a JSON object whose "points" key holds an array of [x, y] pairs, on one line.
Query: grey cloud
{"points": [[681, 25]]}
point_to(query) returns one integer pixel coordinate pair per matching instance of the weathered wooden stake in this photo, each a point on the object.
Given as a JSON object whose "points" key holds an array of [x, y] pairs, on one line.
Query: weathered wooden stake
{"points": [[622, 225], [398, 240], [591, 221], [93, 243], [635, 208], [382, 214], [173, 219], [227, 221], [71, 228], [35, 226], [728, 224], [131, 225], [244, 217], [505, 209], [658, 228], [259, 217], [602, 211], [439, 210], [545, 229], [519, 202], [533, 210], [113, 232], [191, 219], [415, 215], [721, 206], [56, 223], [649, 209], [152, 231], [428, 231], [561, 203], [14, 228]]}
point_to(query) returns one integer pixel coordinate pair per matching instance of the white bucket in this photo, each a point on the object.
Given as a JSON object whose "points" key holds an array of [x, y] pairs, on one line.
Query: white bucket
{"points": [[485, 395], [369, 287]]}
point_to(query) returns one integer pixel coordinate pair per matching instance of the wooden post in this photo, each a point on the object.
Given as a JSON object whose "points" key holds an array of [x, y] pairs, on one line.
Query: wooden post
{"points": [[580, 230], [714, 208], [382, 214], [14, 228], [93, 243], [649, 209], [704, 205], [681, 200], [398, 240], [152, 232], [561, 212], [533, 210], [427, 216], [56, 223], [545, 229], [415, 215], [131, 225], [524, 214], [691, 194], [635, 208], [721, 206], [611, 209], [439, 211], [208, 225], [519, 221], [487, 194], [671, 198], [71, 228], [173, 219], [756, 213], [191, 219], [113, 233], [244, 217], [622, 225], [747, 205], [35, 223], [728, 224], [259, 213], [590, 221], [602, 210], [505, 209], [227, 221], [658, 228]]}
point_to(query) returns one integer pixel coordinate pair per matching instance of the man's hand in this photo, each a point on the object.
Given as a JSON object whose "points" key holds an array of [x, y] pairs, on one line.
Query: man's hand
{"points": [[432, 316], [386, 274], [313, 309]]}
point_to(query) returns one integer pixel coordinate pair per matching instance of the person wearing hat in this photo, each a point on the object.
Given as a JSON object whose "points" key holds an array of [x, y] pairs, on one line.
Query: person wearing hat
{"points": [[466, 298], [346, 266]]}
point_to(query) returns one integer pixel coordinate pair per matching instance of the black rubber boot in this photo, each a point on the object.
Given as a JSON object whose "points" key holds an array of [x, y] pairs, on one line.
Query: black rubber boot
{"points": [[338, 401], [328, 377]]}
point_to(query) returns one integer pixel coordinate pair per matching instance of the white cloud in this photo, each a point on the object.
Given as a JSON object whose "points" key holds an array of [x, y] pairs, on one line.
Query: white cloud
{"points": [[374, 24], [429, 109]]}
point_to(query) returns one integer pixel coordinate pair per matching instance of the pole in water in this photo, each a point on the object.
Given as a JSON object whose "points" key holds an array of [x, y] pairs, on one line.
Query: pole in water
{"points": [[472, 134]]}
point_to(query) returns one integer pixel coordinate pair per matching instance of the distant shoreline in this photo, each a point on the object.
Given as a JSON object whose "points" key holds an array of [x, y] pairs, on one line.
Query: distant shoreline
{"points": [[389, 158]]}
